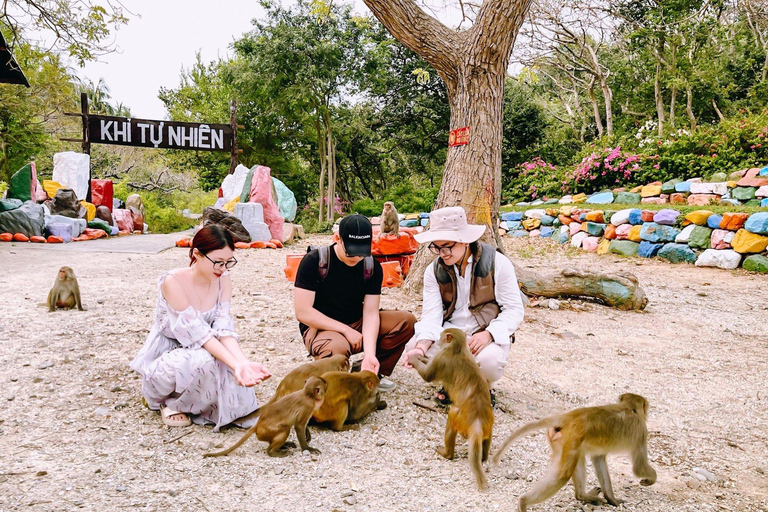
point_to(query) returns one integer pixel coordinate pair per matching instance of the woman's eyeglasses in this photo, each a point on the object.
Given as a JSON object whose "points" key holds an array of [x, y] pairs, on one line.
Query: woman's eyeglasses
{"points": [[218, 265], [444, 250]]}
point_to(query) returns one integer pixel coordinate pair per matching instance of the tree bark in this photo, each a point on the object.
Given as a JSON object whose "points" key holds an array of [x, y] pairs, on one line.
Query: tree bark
{"points": [[689, 107], [595, 107], [658, 98]]}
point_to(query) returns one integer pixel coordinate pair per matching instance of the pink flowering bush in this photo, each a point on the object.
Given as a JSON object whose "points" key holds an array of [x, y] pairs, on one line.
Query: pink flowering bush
{"points": [[536, 179], [602, 169]]}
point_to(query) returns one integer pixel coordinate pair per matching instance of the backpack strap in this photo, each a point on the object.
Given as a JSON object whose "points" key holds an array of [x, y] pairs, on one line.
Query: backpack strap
{"points": [[368, 269], [325, 258]]}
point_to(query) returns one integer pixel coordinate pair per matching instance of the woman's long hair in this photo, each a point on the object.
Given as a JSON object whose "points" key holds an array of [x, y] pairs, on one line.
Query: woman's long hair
{"points": [[210, 238]]}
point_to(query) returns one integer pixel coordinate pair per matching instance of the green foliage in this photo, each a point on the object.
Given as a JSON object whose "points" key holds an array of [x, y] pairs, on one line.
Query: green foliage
{"points": [[3, 188], [163, 212], [407, 199]]}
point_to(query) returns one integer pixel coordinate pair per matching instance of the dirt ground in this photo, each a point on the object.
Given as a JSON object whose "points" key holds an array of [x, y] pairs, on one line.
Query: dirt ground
{"points": [[74, 434]]}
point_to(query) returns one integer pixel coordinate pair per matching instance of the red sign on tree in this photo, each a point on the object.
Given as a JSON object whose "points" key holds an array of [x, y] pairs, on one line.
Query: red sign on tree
{"points": [[458, 137]]}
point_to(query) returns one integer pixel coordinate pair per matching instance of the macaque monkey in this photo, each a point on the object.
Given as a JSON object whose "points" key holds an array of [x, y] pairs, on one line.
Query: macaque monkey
{"points": [[390, 224], [277, 418], [471, 413], [65, 292], [593, 431], [350, 397]]}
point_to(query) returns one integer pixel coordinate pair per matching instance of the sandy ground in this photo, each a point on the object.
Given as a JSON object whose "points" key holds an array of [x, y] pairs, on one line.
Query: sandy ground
{"points": [[73, 432]]}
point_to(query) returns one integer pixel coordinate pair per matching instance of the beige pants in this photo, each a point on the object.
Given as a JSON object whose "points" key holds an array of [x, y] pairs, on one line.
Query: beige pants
{"points": [[492, 360]]}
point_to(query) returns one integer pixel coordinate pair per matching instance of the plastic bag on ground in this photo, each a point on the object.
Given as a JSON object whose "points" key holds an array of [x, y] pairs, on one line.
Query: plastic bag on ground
{"points": [[72, 170]]}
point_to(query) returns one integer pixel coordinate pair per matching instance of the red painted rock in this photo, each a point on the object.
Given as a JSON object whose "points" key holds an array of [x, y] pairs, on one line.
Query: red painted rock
{"points": [[702, 199], [733, 221], [647, 215], [751, 179]]}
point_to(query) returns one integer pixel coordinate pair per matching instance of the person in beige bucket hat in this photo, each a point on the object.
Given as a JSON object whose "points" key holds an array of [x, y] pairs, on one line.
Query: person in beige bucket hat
{"points": [[469, 286]]}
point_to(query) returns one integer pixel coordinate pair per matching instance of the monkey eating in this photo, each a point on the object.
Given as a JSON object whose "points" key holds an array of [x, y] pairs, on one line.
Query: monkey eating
{"points": [[277, 418], [390, 223], [594, 432], [65, 292], [471, 413], [350, 397]]}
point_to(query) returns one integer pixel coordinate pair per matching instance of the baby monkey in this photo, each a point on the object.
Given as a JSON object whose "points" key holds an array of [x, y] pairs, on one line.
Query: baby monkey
{"points": [[390, 224], [277, 418], [65, 292], [594, 432]]}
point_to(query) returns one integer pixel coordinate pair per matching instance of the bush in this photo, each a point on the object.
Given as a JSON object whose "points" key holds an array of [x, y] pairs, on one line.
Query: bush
{"points": [[603, 169], [534, 179], [406, 197], [162, 211]]}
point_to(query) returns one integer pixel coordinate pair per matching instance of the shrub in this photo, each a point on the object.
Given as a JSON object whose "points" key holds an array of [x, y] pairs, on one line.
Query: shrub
{"points": [[605, 169], [406, 197], [532, 180]]}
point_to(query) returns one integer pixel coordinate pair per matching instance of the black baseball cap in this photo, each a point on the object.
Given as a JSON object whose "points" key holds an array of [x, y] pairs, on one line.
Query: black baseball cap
{"points": [[357, 234]]}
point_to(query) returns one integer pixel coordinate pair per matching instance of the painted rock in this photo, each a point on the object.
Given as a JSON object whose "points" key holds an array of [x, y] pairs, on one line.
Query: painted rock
{"points": [[590, 243], [743, 193], [684, 186], [565, 200], [685, 234], [604, 246], [647, 215], [655, 200], [752, 178], [709, 188], [700, 237], [635, 216], [565, 220], [668, 187], [546, 231], [600, 198], [729, 202], [622, 232], [512, 216], [764, 203], [547, 220], [713, 221], [573, 228], [702, 199], [563, 235], [650, 190], [733, 220], [531, 224], [634, 233], [718, 239], [725, 258], [628, 198], [757, 223], [578, 238], [610, 232], [552, 212], [595, 216], [653, 232], [677, 253], [512, 225], [763, 171], [535, 213], [593, 228], [718, 176], [582, 217], [699, 217], [624, 247], [537, 202], [677, 198], [756, 263], [667, 217], [636, 190], [753, 202], [535, 233], [621, 217], [737, 175], [762, 191], [579, 198], [550, 201], [567, 210], [648, 249], [519, 233], [748, 242]]}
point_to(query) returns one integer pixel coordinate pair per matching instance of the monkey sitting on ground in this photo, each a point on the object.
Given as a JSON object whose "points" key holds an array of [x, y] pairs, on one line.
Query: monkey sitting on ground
{"points": [[350, 397], [471, 413], [593, 431], [390, 223], [277, 418], [65, 292]]}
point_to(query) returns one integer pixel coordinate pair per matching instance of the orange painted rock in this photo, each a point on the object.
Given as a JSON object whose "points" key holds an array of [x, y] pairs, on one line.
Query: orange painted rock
{"points": [[184, 242], [647, 215], [595, 216], [677, 198], [38, 239], [20, 237], [55, 240], [733, 221], [564, 220], [6, 237], [94, 234], [81, 238], [702, 199], [610, 232], [277, 243], [242, 245], [270, 245], [258, 245]]}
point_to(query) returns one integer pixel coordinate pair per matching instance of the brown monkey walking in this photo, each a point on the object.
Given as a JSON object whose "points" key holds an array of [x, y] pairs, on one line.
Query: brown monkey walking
{"points": [[65, 292], [390, 223], [277, 418], [593, 431], [350, 397], [470, 414]]}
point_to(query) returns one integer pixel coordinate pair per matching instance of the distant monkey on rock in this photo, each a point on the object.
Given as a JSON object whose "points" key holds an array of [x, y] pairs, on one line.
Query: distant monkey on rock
{"points": [[65, 293], [390, 223]]}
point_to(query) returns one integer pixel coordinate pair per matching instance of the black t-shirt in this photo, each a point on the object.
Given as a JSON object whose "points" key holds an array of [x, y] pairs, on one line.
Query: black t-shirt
{"points": [[340, 295]]}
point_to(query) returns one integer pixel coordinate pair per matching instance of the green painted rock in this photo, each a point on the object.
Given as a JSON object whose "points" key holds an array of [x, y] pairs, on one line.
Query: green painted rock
{"points": [[700, 237], [753, 202], [677, 253], [668, 187], [743, 193], [717, 177], [627, 198], [625, 247], [607, 214], [594, 228], [756, 263]]}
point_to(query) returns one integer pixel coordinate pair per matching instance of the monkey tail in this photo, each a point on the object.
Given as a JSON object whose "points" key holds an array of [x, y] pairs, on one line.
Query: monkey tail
{"points": [[522, 431], [476, 454], [232, 448]]}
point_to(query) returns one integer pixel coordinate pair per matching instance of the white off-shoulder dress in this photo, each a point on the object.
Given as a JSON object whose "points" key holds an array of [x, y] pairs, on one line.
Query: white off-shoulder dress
{"points": [[179, 373]]}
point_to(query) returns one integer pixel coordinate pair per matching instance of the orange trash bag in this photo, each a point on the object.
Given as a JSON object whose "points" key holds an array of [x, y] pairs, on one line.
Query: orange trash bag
{"points": [[55, 240], [38, 239], [393, 276], [292, 266], [242, 245], [20, 237], [6, 237]]}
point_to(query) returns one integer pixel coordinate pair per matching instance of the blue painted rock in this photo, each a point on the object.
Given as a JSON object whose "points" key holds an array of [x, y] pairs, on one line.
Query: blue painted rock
{"points": [[512, 216], [513, 225], [726, 258], [635, 216], [424, 222], [593, 228], [756, 263], [668, 187], [648, 249], [627, 198], [522, 203], [556, 223], [757, 223], [550, 201], [537, 202], [684, 186], [743, 193], [546, 231], [666, 217], [601, 198], [713, 221], [652, 232], [677, 253], [519, 233], [764, 203], [582, 217], [700, 238], [424, 215], [564, 234], [624, 247], [764, 171], [547, 220]]}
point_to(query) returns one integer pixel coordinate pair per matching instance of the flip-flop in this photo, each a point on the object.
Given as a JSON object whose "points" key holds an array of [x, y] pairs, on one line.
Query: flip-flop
{"points": [[166, 413]]}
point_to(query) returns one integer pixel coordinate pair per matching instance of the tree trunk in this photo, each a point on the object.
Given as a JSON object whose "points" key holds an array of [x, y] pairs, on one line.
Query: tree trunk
{"points": [[672, 102], [689, 107], [595, 107], [321, 150], [659, 100]]}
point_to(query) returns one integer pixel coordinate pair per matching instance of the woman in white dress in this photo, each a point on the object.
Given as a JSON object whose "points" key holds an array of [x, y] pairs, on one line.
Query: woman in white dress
{"points": [[192, 366]]}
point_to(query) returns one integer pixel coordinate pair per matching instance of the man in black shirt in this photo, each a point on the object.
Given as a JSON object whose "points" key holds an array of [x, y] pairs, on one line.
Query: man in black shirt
{"points": [[336, 300]]}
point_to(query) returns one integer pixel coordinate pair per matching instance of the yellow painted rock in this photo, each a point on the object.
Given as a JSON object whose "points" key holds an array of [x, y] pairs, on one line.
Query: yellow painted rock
{"points": [[636, 190], [566, 210], [595, 216], [731, 184], [90, 211], [531, 224], [579, 198], [650, 190], [745, 242], [51, 187], [634, 233], [699, 217], [604, 247], [552, 212], [230, 206]]}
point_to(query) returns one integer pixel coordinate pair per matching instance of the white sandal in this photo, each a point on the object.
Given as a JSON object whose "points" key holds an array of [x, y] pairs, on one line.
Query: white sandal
{"points": [[166, 413]]}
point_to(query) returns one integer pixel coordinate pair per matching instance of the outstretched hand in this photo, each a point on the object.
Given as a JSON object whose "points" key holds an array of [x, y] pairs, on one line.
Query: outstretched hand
{"points": [[249, 374], [371, 364]]}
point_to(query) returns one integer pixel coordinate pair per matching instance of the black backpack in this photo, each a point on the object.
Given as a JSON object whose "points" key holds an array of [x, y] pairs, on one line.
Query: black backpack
{"points": [[324, 251]]}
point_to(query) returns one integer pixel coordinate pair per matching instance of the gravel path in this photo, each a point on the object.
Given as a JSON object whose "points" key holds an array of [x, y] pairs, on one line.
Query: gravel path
{"points": [[73, 432]]}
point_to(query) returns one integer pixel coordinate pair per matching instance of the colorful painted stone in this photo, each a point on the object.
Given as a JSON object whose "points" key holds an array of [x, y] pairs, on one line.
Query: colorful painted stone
{"points": [[729, 202], [650, 190], [748, 242], [604, 246], [512, 225], [700, 237], [565, 200], [531, 224], [699, 217], [653, 232], [762, 191], [636, 190], [702, 199], [647, 215], [565, 220], [684, 186], [635, 216], [590, 243], [743, 193], [717, 240], [546, 232], [726, 259], [579, 198], [733, 221], [564, 234], [600, 198], [677, 253], [713, 221], [666, 217], [624, 247], [567, 210], [655, 200], [757, 223], [593, 228], [685, 234], [622, 232], [752, 178], [709, 188], [718, 176], [634, 233], [535, 213], [574, 227], [737, 175], [535, 233], [621, 217], [677, 198], [547, 220], [668, 187], [578, 238], [512, 216], [755, 263], [628, 198], [595, 216], [610, 232], [520, 233], [764, 203], [648, 249], [552, 212]]}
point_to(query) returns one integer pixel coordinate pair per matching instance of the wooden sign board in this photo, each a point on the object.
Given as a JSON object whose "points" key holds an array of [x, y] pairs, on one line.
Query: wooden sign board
{"points": [[458, 137], [159, 134]]}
